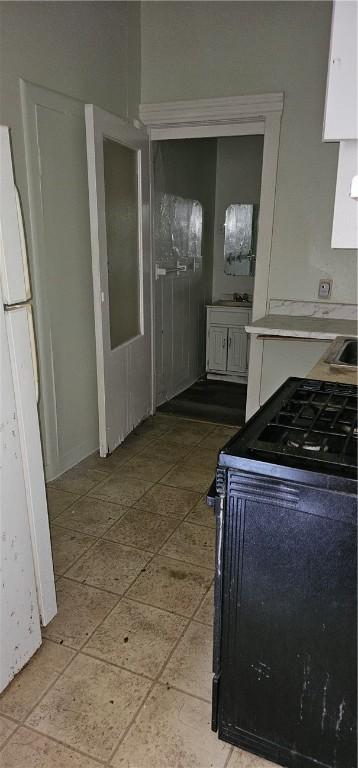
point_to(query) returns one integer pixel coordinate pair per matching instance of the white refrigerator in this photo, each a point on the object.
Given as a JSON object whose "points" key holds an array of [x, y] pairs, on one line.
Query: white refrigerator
{"points": [[27, 596]]}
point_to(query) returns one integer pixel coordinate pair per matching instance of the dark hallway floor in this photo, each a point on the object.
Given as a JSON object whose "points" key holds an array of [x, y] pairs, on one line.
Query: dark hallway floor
{"points": [[208, 400]]}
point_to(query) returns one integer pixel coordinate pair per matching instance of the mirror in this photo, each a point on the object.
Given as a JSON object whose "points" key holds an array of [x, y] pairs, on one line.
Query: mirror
{"points": [[178, 232], [240, 239]]}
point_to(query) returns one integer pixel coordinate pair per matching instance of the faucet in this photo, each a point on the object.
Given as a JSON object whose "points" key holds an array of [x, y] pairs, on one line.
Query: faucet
{"points": [[244, 297]]}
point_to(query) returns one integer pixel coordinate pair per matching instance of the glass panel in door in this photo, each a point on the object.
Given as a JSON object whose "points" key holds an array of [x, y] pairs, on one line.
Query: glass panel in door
{"points": [[122, 230]]}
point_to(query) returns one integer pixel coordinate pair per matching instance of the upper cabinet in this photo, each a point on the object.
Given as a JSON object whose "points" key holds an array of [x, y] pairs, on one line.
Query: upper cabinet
{"points": [[341, 119], [341, 112], [345, 216]]}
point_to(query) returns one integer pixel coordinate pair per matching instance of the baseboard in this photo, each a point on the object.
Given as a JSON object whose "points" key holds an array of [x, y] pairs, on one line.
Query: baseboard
{"points": [[225, 377], [70, 459], [179, 389]]}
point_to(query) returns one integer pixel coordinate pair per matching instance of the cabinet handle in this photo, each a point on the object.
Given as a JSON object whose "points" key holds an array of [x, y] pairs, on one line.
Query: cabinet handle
{"points": [[230, 340], [224, 343]]}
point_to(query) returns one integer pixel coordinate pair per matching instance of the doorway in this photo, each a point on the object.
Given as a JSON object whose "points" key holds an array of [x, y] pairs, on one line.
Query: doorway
{"points": [[232, 116], [206, 204]]}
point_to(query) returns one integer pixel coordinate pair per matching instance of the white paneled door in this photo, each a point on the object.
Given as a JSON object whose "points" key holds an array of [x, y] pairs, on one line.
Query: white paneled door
{"points": [[118, 177]]}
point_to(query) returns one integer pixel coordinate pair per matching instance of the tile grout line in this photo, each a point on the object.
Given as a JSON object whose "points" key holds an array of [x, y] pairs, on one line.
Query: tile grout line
{"points": [[109, 474], [156, 681], [103, 537], [78, 651], [18, 725], [106, 473], [158, 552], [66, 575], [142, 551], [99, 538], [77, 751], [126, 509], [161, 670], [150, 442], [231, 752], [23, 722]]}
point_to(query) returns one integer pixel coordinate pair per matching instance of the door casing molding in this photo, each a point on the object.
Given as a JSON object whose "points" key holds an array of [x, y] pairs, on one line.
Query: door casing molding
{"points": [[197, 111], [232, 116]]}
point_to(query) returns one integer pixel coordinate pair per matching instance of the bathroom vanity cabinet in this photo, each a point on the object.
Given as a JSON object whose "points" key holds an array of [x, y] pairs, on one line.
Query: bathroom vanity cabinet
{"points": [[227, 350]]}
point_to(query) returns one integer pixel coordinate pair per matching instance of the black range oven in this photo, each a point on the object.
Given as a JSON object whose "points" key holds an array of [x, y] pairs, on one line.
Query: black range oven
{"points": [[285, 498]]}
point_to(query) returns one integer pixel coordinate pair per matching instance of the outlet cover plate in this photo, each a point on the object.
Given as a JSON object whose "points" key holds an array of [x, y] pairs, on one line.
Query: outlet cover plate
{"points": [[325, 288]]}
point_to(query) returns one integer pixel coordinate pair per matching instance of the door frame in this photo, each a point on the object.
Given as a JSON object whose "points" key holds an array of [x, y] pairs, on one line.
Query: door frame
{"points": [[232, 116]]}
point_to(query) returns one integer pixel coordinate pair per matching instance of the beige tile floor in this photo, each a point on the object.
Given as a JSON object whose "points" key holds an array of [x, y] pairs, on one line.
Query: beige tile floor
{"points": [[123, 677]]}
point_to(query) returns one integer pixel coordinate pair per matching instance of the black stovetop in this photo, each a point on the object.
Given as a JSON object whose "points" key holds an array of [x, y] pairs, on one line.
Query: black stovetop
{"points": [[307, 424]]}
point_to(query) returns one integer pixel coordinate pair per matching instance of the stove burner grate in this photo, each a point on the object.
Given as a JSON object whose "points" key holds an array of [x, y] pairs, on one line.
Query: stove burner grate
{"points": [[318, 420]]}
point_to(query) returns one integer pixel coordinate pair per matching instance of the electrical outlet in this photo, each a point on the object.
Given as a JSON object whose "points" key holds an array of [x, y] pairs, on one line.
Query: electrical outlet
{"points": [[325, 288]]}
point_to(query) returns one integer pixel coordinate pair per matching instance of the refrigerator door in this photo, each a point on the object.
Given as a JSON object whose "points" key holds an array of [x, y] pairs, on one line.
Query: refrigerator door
{"points": [[14, 273], [19, 329], [20, 634]]}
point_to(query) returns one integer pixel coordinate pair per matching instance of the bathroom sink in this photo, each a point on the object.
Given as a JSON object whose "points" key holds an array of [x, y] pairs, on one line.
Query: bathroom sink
{"points": [[343, 353]]}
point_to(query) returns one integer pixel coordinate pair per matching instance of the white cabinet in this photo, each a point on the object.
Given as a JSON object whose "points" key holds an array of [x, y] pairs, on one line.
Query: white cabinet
{"points": [[218, 337], [341, 111], [227, 343], [237, 351], [341, 118], [345, 216], [284, 357]]}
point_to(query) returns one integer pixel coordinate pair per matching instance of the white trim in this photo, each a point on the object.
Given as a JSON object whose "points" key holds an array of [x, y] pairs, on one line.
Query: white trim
{"points": [[227, 377], [217, 130], [211, 110], [97, 290], [152, 283], [71, 458], [233, 116], [188, 382], [266, 215]]}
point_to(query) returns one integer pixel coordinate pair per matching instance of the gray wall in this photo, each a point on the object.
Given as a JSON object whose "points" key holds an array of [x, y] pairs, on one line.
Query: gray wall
{"points": [[91, 52], [189, 169], [211, 49], [238, 180]]}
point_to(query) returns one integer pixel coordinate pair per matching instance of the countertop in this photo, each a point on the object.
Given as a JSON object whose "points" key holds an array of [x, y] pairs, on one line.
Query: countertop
{"points": [[230, 305], [302, 327], [325, 372]]}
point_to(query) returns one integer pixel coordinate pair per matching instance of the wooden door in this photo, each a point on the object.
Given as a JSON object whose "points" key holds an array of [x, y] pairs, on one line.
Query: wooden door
{"points": [[118, 176]]}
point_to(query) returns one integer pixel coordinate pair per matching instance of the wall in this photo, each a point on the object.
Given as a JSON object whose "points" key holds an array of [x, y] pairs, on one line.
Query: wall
{"points": [[188, 171], [211, 49], [238, 180], [287, 357], [91, 52]]}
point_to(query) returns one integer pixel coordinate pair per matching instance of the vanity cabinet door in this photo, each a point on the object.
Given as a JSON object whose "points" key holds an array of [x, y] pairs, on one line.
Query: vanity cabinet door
{"points": [[237, 350], [217, 348]]}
